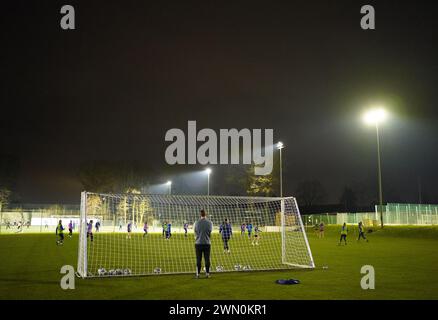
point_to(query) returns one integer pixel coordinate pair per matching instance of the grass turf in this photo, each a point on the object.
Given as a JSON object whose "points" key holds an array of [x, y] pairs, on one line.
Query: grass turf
{"points": [[404, 258]]}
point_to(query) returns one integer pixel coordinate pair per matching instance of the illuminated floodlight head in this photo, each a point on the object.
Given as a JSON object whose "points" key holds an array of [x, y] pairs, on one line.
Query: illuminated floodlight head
{"points": [[375, 116], [208, 170], [280, 145], [169, 183]]}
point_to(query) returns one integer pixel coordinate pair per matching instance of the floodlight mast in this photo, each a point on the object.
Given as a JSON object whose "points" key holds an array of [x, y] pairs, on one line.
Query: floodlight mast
{"points": [[169, 184], [375, 117], [208, 172], [280, 146]]}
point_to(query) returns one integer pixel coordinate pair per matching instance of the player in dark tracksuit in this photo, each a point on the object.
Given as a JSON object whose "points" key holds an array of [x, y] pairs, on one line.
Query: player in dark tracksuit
{"points": [[361, 232], [70, 229], [226, 231], [203, 229]]}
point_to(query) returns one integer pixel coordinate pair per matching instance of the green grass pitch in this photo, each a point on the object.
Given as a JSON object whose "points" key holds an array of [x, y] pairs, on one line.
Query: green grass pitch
{"points": [[405, 261]]}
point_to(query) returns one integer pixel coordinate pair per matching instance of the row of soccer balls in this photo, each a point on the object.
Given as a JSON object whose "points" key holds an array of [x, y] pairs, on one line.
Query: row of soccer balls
{"points": [[127, 272], [114, 272], [237, 267]]}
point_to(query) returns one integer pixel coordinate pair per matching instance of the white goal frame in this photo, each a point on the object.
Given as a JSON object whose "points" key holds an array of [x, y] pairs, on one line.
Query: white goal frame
{"points": [[291, 227]]}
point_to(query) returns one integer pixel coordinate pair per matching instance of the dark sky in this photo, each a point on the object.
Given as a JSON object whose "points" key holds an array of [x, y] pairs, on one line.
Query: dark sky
{"points": [[110, 89]]}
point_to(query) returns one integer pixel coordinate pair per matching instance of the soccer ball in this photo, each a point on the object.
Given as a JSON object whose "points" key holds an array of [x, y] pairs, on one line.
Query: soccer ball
{"points": [[219, 268], [247, 268], [127, 272], [101, 272], [157, 270], [237, 267]]}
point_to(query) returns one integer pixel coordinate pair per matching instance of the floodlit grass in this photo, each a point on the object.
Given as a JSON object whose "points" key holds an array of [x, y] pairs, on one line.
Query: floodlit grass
{"points": [[404, 258]]}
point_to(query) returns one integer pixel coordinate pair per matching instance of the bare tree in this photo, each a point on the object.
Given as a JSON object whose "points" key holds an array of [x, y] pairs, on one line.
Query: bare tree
{"points": [[310, 193]]}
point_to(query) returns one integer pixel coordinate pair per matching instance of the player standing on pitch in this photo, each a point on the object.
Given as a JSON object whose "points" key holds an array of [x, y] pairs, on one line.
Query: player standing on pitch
{"points": [[60, 233], [242, 229], [145, 229], [186, 226], [90, 230], [321, 230], [361, 231], [226, 231], [70, 229], [168, 230], [256, 235], [129, 229], [164, 225], [249, 228], [203, 229], [344, 232]]}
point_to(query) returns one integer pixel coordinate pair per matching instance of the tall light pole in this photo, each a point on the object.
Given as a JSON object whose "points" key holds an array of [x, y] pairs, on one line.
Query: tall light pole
{"points": [[280, 146], [169, 184], [208, 172], [375, 117]]}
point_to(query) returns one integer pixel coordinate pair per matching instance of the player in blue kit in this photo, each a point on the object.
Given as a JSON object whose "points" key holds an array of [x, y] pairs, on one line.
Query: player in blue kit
{"points": [[226, 231], [249, 228], [169, 231]]}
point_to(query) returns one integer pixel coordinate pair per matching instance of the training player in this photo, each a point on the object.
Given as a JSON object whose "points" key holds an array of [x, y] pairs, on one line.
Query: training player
{"points": [[90, 230], [321, 230], [145, 229], [169, 231], [344, 232], [242, 229], [97, 226], [226, 231], [249, 228], [256, 235], [164, 225], [186, 226], [129, 229], [60, 233], [361, 231], [70, 229]]}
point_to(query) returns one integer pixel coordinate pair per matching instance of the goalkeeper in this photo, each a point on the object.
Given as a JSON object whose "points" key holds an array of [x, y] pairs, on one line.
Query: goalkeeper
{"points": [[226, 231], [203, 228]]}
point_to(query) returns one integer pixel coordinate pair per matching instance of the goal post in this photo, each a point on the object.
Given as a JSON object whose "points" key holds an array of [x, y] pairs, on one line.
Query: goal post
{"points": [[140, 234], [82, 270]]}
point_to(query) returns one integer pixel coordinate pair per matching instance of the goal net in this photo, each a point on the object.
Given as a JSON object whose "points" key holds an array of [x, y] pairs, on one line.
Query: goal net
{"points": [[137, 234]]}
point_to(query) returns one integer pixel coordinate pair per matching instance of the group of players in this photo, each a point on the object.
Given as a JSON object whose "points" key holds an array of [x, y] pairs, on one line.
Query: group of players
{"points": [[19, 225], [344, 232], [226, 231], [60, 231]]}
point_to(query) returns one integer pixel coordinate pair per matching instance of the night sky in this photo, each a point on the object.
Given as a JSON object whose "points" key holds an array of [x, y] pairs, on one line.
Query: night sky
{"points": [[132, 70]]}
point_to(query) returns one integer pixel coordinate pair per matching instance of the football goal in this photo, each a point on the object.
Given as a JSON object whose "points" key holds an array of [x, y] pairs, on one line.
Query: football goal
{"points": [[139, 234]]}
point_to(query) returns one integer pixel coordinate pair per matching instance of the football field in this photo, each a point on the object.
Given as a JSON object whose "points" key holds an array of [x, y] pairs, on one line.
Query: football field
{"points": [[404, 258]]}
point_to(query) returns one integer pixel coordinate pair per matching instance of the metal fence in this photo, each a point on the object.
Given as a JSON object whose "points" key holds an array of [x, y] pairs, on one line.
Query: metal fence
{"points": [[36, 218], [44, 218], [409, 214]]}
